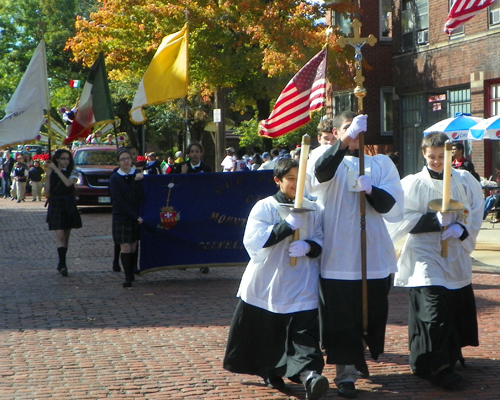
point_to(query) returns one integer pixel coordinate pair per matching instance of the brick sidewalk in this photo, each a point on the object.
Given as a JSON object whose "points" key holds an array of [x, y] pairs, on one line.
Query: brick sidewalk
{"points": [[85, 337]]}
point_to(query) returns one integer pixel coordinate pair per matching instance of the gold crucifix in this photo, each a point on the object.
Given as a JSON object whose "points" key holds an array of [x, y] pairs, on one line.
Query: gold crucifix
{"points": [[358, 42]]}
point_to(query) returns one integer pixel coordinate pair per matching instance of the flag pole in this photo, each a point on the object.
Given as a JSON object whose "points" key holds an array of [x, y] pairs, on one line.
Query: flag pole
{"points": [[47, 97], [360, 92]]}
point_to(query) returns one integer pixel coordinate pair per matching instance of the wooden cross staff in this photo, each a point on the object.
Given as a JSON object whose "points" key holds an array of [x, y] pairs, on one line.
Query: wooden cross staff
{"points": [[358, 42]]}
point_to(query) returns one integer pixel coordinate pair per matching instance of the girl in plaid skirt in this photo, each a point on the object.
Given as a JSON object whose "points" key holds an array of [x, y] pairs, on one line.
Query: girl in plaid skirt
{"points": [[126, 196], [62, 214]]}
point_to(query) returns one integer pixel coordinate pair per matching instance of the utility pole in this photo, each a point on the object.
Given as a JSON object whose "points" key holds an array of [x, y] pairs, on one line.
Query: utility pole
{"points": [[220, 122]]}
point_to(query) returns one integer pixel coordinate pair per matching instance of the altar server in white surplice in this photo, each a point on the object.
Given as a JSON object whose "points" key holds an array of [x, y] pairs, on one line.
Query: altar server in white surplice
{"points": [[442, 315], [336, 184], [275, 329]]}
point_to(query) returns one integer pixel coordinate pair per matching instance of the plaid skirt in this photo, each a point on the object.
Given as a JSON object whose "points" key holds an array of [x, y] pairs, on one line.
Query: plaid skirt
{"points": [[63, 214], [126, 231]]}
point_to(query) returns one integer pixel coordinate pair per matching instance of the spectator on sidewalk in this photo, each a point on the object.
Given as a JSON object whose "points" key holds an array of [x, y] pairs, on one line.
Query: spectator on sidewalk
{"points": [[19, 176], [7, 167], [62, 213], [153, 166], [35, 177], [229, 161], [267, 162], [460, 162]]}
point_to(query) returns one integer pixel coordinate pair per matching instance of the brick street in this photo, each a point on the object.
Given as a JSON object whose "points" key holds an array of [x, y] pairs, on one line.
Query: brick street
{"points": [[85, 337]]}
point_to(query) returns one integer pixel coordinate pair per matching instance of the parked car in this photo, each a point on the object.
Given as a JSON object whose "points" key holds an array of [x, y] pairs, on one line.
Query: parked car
{"points": [[94, 165]]}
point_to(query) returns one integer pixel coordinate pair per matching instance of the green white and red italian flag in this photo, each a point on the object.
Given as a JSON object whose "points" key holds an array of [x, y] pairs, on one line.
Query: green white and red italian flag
{"points": [[94, 107]]}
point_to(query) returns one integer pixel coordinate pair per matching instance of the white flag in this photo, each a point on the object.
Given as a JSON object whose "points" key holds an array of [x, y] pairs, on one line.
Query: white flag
{"points": [[25, 111]]}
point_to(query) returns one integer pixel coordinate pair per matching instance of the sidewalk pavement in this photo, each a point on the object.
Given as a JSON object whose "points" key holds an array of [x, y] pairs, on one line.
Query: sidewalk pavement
{"points": [[85, 337]]}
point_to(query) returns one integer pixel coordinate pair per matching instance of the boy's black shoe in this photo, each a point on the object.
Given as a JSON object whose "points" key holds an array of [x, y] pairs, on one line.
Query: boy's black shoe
{"points": [[447, 379], [276, 382], [347, 390], [64, 271], [204, 270], [316, 387]]}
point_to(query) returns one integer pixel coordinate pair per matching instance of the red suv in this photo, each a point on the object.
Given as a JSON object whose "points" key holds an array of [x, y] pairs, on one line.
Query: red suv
{"points": [[94, 164]]}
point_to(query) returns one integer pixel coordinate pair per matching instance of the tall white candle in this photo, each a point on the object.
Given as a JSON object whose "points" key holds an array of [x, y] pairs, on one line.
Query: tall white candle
{"points": [[301, 179], [447, 175]]}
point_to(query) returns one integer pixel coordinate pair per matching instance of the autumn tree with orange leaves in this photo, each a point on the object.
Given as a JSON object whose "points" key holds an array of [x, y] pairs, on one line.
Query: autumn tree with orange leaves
{"points": [[252, 47]]}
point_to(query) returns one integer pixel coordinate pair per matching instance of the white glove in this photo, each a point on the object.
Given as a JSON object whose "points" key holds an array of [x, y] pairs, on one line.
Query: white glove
{"points": [[357, 126], [364, 184], [445, 219], [295, 220], [453, 231], [299, 248]]}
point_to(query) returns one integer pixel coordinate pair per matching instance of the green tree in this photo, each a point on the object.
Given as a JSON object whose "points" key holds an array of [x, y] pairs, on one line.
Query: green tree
{"points": [[23, 23]]}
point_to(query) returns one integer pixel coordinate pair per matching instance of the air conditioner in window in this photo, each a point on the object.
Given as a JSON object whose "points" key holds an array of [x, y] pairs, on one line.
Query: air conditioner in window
{"points": [[495, 17], [423, 37]]}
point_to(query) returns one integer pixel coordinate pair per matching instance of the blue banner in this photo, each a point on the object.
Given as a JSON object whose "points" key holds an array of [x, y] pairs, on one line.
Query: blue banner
{"points": [[193, 220]]}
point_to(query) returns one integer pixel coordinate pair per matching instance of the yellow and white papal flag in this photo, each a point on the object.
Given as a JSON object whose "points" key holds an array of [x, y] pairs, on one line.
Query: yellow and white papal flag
{"points": [[166, 77]]}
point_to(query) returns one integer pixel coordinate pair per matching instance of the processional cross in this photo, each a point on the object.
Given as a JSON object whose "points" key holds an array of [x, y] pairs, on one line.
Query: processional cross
{"points": [[358, 42]]}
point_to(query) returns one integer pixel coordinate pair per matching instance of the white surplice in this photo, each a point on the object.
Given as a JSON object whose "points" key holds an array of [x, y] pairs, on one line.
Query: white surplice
{"points": [[269, 281], [341, 256], [421, 263]]}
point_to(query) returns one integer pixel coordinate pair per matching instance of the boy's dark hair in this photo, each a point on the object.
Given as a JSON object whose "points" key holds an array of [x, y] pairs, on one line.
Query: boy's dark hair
{"points": [[459, 146], [339, 119], [283, 167], [325, 125], [275, 152], [435, 139], [240, 153]]}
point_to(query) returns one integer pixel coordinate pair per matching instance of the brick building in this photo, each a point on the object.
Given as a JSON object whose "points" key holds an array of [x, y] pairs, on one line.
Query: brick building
{"points": [[419, 75]]}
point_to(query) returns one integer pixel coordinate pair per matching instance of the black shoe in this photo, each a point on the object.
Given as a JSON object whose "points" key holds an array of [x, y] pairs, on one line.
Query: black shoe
{"points": [[12, 198], [137, 271], [447, 379], [316, 387], [18, 201], [116, 266], [64, 271], [276, 382], [204, 270], [347, 390], [127, 284], [33, 200], [362, 370]]}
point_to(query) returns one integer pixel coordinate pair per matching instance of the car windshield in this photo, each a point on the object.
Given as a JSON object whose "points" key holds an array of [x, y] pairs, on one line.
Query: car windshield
{"points": [[95, 157]]}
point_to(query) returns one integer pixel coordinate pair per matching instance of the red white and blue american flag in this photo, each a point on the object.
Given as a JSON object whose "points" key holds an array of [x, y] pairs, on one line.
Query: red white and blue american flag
{"points": [[303, 94], [463, 10]]}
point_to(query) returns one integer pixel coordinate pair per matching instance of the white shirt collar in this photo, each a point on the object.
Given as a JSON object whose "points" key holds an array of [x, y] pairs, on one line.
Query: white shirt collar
{"points": [[132, 170]]}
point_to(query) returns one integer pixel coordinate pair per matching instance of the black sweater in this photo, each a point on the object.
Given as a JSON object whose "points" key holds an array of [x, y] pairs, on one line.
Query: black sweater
{"points": [[126, 196]]}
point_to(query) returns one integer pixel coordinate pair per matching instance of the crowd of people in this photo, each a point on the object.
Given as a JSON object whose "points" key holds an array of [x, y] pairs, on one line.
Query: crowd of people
{"points": [[292, 318]]}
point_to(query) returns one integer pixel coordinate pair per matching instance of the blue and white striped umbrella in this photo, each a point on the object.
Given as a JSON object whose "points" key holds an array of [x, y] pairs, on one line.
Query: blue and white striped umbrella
{"points": [[486, 129], [457, 128]]}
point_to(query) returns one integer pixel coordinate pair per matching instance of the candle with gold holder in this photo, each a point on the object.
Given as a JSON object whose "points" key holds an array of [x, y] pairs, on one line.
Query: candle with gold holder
{"points": [[301, 184], [446, 205]]}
